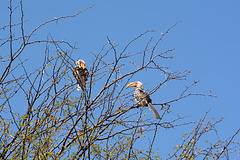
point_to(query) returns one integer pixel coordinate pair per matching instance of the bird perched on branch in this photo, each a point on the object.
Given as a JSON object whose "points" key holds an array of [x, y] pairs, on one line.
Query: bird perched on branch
{"points": [[81, 74], [142, 98]]}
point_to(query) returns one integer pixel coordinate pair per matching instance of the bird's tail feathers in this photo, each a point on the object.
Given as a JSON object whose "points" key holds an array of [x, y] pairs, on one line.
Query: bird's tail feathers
{"points": [[155, 113]]}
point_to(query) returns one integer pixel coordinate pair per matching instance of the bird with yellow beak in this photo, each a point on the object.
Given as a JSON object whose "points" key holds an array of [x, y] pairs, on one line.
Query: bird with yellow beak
{"points": [[142, 98], [81, 74]]}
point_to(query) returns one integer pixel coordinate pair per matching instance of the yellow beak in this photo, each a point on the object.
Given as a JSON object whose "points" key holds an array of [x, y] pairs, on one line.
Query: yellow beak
{"points": [[82, 65], [133, 84]]}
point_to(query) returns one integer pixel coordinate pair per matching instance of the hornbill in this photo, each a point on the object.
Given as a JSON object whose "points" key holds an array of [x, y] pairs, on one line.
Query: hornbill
{"points": [[142, 98], [81, 74]]}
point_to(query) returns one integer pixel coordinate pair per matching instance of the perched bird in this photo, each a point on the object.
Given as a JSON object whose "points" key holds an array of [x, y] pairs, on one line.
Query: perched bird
{"points": [[142, 98], [81, 74]]}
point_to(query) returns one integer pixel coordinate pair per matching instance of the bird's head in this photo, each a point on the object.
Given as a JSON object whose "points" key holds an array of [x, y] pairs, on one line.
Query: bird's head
{"points": [[135, 84], [80, 63]]}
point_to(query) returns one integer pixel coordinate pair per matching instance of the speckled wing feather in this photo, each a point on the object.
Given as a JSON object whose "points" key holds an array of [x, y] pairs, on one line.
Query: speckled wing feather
{"points": [[143, 99], [85, 74], [81, 76]]}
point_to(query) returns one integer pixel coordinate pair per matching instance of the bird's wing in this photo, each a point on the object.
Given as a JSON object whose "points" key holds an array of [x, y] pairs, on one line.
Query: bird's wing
{"points": [[144, 97], [78, 74], [155, 113], [147, 100], [86, 74]]}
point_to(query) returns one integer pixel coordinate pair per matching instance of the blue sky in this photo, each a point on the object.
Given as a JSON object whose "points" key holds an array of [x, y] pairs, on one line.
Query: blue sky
{"points": [[206, 42]]}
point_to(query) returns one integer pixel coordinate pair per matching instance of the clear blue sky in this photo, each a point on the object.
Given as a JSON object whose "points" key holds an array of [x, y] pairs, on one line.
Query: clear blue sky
{"points": [[206, 42]]}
